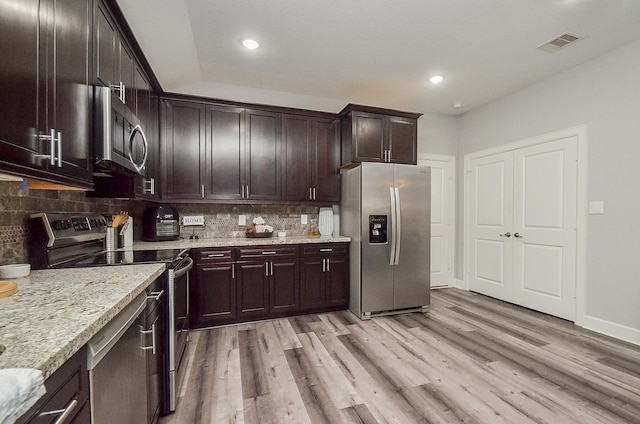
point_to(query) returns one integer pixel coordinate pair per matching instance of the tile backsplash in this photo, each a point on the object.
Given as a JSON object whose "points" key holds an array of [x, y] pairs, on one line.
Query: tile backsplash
{"points": [[16, 205]]}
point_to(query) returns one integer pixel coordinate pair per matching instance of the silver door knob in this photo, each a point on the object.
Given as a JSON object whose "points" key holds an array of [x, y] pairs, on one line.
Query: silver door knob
{"points": [[507, 234], [517, 235]]}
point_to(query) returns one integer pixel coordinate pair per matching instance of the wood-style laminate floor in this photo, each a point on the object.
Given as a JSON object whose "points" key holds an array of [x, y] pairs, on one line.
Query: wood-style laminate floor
{"points": [[471, 359]]}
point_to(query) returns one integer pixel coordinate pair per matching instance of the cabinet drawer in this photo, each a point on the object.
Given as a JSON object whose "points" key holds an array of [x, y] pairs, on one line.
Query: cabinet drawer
{"points": [[68, 384], [246, 253], [325, 249], [214, 255]]}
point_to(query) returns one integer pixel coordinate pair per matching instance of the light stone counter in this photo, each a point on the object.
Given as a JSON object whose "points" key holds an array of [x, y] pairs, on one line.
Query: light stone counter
{"points": [[56, 312], [236, 241]]}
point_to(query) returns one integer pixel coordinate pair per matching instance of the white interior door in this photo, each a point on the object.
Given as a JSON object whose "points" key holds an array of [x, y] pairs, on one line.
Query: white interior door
{"points": [[491, 226], [442, 191], [522, 226], [544, 243]]}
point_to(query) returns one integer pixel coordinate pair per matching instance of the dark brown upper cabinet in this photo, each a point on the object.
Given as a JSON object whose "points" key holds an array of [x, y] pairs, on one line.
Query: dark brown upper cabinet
{"points": [[311, 159], [114, 63], [243, 154], [183, 150], [45, 118], [378, 135]]}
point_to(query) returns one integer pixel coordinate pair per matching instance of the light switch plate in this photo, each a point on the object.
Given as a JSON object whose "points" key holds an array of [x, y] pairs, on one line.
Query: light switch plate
{"points": [[189, 220], [596, 207], [303, 219], [242, 219]]}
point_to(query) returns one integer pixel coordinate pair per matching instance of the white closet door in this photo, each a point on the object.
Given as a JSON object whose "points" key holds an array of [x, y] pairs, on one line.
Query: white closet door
{"points": [[491, 226], [441, 220], [544, 227]]}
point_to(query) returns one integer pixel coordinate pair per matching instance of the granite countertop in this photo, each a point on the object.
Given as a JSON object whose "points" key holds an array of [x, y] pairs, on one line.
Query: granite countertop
{"points": [[236, 241], [56, 312]]}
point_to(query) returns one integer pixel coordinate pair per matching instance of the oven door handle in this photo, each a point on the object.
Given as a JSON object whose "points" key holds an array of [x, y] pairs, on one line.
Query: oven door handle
{"points": [[184, 269]]}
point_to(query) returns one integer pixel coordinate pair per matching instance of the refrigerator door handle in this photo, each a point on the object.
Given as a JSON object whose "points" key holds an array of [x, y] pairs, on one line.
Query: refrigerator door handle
{"points": [[392, 254], [398, 229]]}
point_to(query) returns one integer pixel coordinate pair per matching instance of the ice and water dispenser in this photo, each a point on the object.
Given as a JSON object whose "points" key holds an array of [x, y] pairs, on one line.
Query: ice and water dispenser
{"points": [[377, 229]]}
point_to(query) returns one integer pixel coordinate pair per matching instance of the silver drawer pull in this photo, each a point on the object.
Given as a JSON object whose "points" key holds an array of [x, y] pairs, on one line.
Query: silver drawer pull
{"points": [[216, 255], [64, 413], [155, 295], [270, 252], [326, 250]]}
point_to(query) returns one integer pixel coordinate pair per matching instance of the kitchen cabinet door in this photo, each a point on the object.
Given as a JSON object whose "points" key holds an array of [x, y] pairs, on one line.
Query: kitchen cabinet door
{"points": [[285, 287], [19, 86], [312, 283], [324, 277], [253, 289], [326, 179], [263, 155], [106, 45], [337, 283], [45, 91], [298, 159], [213, 294], [311, 159], [225, 153], [183, 149], [402, 140], [69, 94], [372, 134]]}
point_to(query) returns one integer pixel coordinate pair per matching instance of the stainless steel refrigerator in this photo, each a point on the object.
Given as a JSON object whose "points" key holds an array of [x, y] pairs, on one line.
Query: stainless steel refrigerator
{"points": [[386, 210]]}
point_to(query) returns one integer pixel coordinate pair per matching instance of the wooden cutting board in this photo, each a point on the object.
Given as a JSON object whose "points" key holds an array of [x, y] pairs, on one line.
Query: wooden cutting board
{"points": [[8, 288]]}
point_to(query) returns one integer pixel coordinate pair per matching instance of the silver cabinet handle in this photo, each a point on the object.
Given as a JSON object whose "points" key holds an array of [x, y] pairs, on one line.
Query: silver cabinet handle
{"points": [[153, 339], [202, 190], [215, 255], [64, 413], [507, 234], [266, 269], [314, 193], [328, 249], [517, 235], [242, 196], [269, 252], [324, 266], [328, 265], [310, 194], [233, 271], [51, 138], [247, 191], [271, 266], [155, 295], [59, 149], [150, 185]]}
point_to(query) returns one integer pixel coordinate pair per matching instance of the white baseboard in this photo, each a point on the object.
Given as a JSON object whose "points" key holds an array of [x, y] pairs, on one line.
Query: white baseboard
{"points": [[459, 284], [608, 328]]}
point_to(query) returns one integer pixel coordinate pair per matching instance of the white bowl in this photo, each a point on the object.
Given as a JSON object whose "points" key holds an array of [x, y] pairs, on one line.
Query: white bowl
{"points": [[15, 270]]}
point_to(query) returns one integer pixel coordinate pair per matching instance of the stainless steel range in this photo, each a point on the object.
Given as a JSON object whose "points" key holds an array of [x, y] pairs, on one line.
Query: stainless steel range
{"points": [[64, 240]]}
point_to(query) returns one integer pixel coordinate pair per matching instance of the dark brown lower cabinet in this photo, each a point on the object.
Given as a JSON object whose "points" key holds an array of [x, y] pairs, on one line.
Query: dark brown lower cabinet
{"points": [[212, 291], [324, 277], [246, 283]]}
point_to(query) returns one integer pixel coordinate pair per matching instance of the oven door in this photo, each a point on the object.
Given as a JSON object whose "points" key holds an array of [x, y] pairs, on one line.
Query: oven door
{"points": [[178, 325]]}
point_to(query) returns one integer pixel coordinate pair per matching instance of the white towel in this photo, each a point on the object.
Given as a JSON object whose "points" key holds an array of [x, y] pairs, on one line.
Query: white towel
{"points": [[20, 389]]}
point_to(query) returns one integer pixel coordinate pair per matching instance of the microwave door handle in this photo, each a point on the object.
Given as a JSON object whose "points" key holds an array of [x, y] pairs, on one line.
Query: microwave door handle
{"points": [[145, 145]]}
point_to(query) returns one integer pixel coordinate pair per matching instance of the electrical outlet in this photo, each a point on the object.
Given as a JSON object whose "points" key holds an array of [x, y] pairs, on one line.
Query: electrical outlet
{"points": [[303, 219], [242, 219], [190, 220]]}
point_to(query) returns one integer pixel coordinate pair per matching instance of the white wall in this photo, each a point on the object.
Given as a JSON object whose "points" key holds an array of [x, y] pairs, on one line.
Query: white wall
{"points": [[436, 134], [604, 95]]}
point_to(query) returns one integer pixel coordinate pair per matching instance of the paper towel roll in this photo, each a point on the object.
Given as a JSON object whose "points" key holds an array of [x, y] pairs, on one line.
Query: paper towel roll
{"points": [[325, 221]]}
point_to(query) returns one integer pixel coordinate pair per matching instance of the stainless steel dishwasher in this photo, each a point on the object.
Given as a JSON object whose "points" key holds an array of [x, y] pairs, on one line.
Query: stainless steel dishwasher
{"points": [[116, 362]]}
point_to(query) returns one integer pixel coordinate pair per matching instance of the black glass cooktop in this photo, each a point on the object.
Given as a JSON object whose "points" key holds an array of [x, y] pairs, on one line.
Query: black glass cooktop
{"points": [[123, 257]]}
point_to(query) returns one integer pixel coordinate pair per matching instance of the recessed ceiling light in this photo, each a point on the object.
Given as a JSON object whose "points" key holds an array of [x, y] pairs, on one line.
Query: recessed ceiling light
{"points": [[436, 79], [250, 44]]}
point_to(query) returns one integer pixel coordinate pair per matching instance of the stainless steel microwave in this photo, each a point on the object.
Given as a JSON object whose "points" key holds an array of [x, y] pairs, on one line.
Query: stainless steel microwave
{"points": [[121, 145]]}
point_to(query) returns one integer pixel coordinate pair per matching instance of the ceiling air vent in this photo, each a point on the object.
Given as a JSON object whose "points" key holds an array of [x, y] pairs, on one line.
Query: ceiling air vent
{"points": [[559, 42]]}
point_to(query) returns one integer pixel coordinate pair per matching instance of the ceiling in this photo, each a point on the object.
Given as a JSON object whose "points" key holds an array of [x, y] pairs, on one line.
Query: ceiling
{"points": [[322, 55]]}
